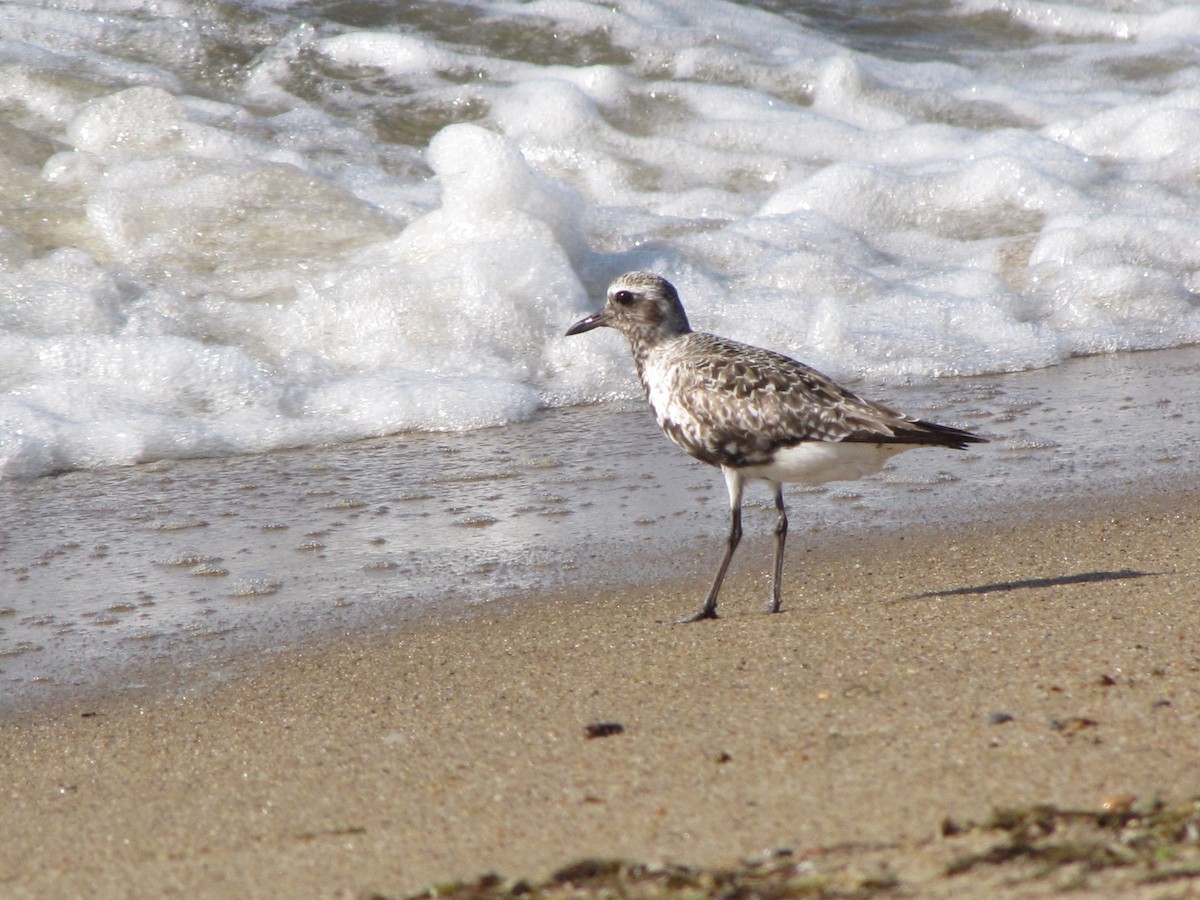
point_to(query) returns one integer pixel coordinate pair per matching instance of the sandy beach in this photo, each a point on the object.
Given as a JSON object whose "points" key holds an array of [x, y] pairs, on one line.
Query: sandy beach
{"points": [[914, 679], [336, 563]]}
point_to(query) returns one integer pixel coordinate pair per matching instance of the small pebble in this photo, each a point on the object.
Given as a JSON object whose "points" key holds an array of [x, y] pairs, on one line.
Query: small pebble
{"points": [[603, 729], [1073, 724], [1118, 803]]}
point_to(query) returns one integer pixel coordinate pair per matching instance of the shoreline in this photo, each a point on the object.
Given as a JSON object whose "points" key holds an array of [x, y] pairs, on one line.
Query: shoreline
{"points": [[163, 679], [194, 564], [862, 717]]}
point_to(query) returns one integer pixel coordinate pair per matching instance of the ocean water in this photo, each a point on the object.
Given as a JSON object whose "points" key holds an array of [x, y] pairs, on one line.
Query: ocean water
{"points": [[236, 226], [298, 259]]}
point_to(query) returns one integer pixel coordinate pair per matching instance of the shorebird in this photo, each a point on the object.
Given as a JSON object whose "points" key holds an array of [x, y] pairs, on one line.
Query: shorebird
{"points": [[754, 413]]}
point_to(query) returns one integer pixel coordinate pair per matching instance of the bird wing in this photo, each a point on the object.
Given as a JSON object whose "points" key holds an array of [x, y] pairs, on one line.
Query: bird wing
{"points": [[744, 402]]}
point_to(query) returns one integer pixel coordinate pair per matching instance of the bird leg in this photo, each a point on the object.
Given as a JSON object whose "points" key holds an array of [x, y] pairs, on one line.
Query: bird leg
{"points": [[734, 482], [781, 526], [709, 610]]}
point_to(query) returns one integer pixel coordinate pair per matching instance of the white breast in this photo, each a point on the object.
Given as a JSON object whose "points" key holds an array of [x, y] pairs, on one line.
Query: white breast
{"points": [[656, 377]]}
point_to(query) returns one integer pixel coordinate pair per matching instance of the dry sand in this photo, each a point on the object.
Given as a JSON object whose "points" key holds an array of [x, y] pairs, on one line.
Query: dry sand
{"points": [[849, 728]]}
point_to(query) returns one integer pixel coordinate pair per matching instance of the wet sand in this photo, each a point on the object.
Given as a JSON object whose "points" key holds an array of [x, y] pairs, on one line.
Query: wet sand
{"points": [[850, 727]]}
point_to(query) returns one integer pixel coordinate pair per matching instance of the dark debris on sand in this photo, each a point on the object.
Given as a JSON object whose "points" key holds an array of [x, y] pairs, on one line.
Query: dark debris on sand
{"points": [[1035, 851]]}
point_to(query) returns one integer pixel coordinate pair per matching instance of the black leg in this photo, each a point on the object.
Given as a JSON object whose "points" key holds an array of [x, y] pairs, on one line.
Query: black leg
{"points": [[781, 526], [735, 484]]}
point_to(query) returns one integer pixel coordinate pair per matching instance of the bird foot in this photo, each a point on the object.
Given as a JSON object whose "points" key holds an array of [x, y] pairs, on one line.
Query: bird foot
{"points": [[705, 613]]}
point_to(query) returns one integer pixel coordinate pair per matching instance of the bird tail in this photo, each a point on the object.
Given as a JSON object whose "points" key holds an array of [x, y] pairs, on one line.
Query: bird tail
{"points": [[932, 434]]}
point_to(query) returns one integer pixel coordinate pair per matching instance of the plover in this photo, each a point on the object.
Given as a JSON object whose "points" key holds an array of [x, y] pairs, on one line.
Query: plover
{"points": [[755, 413]]}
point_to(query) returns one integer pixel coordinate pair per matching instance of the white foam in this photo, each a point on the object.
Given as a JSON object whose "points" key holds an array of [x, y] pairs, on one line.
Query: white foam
{"points": [[1118, 21], [398, 54], [372, 229]]}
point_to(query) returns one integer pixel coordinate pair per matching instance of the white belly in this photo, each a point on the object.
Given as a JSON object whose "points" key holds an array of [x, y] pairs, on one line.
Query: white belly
{"points": [[815, 462]]}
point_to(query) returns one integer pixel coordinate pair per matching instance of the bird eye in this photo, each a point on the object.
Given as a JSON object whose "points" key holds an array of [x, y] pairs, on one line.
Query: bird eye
{"points": [[623, 297]]}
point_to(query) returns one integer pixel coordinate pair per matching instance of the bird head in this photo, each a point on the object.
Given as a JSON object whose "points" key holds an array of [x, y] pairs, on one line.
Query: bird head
{"points": [[642, 306]]}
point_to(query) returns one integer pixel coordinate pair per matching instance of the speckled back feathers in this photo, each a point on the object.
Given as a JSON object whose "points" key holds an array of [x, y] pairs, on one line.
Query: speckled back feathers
{"points": [[734, 404]]}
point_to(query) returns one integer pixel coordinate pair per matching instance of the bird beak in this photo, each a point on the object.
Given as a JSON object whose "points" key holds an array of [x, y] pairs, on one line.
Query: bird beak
{"points": [[595, 320]]}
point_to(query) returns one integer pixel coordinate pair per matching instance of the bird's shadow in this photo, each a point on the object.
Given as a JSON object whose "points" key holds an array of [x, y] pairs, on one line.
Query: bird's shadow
{"points": [[1034, 583]]}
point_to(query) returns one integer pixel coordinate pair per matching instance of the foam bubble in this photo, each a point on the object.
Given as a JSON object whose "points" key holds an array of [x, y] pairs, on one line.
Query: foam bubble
{"points": [[394, 53]]}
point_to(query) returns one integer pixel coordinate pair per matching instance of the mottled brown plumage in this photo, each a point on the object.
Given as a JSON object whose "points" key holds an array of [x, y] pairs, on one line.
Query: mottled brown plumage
{"points": [[753, 412], [739, 404]]}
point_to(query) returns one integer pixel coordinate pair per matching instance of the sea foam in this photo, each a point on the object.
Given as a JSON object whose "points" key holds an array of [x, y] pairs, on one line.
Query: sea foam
{"points": [[268, 230]]}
